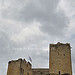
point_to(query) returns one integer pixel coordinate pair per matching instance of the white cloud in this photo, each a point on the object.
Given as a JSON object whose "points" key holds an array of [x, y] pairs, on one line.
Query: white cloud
{"points": [[27, 32]]}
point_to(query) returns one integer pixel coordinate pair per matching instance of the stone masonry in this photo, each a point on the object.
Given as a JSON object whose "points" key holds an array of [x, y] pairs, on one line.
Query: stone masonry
{"points": [[59, 63], [60, 59], [22, 67], [19, 67]]}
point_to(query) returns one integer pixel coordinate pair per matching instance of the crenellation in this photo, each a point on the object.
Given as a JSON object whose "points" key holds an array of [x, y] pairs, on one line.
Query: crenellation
{"points": [[59, 63], [19, 67], [60, 58], [29, 65], [60, 44]]}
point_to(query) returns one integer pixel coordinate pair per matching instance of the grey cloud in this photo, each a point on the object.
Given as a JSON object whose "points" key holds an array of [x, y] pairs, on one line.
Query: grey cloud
{"points": [[57, 24], [72, 3], [52, 22], [32, 11], [40, 56], [4, 40]]}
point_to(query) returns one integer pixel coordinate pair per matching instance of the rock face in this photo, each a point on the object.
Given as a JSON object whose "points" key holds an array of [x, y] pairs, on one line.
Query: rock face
{"points": [[59, 63], [60, 59]]}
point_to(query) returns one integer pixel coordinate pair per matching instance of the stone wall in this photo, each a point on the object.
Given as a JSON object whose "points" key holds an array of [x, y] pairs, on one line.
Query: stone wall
{"points": [[22, 67], [40, 71], [19, 67], [59, 63], [59, 74], [60, 59], [13, 67]]}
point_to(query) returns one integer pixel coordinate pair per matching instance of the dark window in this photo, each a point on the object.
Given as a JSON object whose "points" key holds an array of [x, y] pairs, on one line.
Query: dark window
{"points": [[59, 72], [64, 54], [58, 53]]}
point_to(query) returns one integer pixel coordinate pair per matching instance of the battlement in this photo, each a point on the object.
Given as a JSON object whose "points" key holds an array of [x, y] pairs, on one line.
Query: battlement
{"points": [[60, 59], [28, 64], [18, 67], [17, 61], [60, 44]]}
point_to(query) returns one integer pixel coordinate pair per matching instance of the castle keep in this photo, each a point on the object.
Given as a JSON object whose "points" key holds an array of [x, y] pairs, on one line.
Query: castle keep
{"points": [[59, 63], [60, 59]]}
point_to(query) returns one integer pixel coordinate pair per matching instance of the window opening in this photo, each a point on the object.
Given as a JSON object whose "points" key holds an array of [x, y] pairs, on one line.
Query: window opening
{"points": [[59, 72]]}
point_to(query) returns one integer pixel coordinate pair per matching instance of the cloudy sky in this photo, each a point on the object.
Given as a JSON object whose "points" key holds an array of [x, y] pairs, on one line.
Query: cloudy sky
{"points": [[27, 27]]}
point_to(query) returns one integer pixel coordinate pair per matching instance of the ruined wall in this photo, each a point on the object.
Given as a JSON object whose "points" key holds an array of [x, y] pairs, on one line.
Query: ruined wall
{"points": [[22, 67], [14, 68], [60, 59], [19, 67], [59, 63], [40, 71]]}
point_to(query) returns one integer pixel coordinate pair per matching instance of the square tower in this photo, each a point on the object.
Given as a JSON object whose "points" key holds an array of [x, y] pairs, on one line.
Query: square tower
{"points": [[19, 67], [60, 59]]}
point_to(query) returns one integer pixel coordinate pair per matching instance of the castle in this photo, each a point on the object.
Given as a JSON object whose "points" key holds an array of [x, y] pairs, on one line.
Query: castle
{"points": [[59, 63]]}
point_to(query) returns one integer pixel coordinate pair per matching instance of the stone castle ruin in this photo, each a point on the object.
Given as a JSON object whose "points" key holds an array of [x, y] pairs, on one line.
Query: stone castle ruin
{"points": [[59, 63], [22, 67], [60, 59]]}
